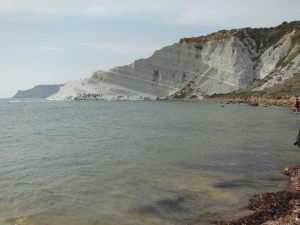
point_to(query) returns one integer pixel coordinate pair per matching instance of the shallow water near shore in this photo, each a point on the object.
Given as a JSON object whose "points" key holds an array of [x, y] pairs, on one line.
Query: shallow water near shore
{"points": [[140, 162]]}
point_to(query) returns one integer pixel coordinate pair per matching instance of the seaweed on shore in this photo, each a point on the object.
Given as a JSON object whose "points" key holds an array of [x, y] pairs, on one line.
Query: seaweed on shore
{"points": [[279, 208]]}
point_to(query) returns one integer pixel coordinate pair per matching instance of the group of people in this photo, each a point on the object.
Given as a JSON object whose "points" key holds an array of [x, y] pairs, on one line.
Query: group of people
{"points": [[85, 96]]}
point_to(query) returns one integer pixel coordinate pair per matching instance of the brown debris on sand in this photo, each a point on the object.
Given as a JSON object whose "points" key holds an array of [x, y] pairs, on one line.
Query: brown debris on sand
{"points": [[279, 208]]}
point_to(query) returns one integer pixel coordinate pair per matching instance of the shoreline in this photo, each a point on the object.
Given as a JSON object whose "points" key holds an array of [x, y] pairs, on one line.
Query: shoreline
{"points": [[256, 101], [275, 208], [271, 208]]}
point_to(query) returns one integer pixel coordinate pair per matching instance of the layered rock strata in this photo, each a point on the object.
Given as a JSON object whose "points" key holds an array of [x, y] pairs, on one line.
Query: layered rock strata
{"points": [[221, 62]]}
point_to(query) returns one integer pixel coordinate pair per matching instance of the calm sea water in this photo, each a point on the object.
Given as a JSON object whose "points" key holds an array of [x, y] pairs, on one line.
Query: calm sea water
{"points": [[132, 163]]}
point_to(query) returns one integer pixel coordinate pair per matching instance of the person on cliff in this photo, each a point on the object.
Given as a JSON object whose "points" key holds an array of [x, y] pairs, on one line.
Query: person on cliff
{"points": [[298, 140]]}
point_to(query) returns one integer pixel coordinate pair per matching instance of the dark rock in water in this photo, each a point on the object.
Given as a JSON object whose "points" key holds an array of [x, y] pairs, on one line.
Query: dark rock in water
{"points": [[253, 104], [175, 208], [40, 91], [165, 208], [232, 184]]}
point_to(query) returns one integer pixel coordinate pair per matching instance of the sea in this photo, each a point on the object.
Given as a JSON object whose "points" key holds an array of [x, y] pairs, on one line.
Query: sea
{"points": [[139, 162]]}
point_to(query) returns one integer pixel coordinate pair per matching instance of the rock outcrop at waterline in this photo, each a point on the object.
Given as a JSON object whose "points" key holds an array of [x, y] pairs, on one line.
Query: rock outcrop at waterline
{"points": [[221, 62]]}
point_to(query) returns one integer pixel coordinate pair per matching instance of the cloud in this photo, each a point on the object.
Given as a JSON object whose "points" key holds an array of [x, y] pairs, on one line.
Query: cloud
{"points": [[99, 8], [176, 12], [239, 13]]}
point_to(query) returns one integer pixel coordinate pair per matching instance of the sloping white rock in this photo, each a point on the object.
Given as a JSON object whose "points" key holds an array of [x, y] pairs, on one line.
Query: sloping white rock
{"points": [[272, 55], [102, 91], [282, 74], [214, 66]]}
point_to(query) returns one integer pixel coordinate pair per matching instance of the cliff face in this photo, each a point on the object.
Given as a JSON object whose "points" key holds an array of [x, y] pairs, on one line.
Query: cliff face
{"points": [[40, 91], [217, 63]]}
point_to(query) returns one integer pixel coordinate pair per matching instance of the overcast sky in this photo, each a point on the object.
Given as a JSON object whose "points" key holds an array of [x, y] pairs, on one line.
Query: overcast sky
{"points": [[55, 41]]}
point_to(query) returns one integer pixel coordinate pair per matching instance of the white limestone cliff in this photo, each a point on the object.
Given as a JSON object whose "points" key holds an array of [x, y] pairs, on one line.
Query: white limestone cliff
{"points": [[272, 55], [212, 65], [282, 73]]}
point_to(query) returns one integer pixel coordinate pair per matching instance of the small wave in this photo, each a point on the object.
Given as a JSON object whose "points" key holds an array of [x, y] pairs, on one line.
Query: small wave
{"points": [[14, 101], [29, 101]]}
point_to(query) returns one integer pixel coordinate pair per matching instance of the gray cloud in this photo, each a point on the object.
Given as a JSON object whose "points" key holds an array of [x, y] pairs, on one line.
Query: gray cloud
{"points": [[177, 12]]}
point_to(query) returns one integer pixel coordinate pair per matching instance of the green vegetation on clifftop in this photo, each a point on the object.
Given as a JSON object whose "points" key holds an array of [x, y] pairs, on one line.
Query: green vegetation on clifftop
{"points": [[263, 37]]}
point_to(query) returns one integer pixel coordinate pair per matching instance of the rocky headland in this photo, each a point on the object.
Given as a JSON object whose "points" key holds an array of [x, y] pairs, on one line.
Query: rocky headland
{"points": [[39, 91], [227, 61]]}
